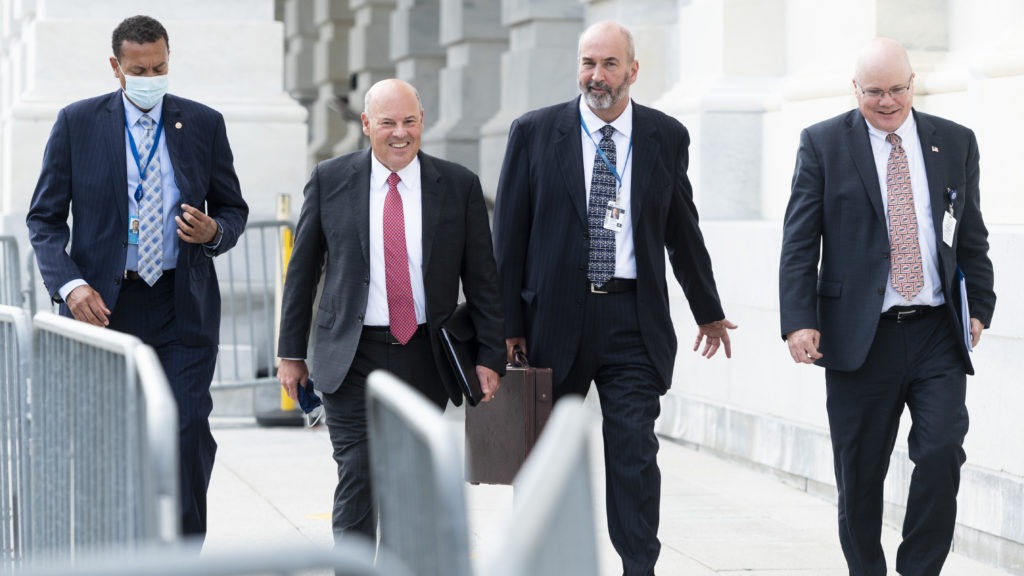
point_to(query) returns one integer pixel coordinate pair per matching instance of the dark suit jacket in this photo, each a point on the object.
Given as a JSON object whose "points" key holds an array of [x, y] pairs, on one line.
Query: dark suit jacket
{"points": [[835, 212], [540, 231], [85, 172], [332, 238]]}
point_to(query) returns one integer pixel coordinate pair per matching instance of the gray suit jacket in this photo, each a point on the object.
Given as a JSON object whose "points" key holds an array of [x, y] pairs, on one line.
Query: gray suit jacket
{"points": [[835, 214], [332, 239]]}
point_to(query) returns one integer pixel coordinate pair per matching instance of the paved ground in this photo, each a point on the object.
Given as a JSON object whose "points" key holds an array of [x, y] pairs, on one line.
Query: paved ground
{"points": [[273, 486]]}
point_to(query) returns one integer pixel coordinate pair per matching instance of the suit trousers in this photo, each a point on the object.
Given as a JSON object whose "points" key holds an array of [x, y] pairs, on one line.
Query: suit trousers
{"points": [[345, 411], [148, 313], [916, 364], [613, 356]]}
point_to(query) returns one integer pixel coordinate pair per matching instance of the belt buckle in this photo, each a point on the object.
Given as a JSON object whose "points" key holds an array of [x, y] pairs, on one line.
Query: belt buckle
{"points": [[595, 290], [906, 314]]}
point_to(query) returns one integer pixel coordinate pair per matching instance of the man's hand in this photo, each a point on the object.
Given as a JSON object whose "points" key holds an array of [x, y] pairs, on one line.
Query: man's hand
{"points": [[489, 382], [291, 374], [976, 329], [510, 346], [803, 345], [194, 226], [717, 334], [87, 306]]}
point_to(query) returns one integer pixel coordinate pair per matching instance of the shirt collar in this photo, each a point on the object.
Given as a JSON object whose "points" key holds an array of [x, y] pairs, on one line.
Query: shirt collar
{"points": [[622, 124], [410, 175], [133, 114]]}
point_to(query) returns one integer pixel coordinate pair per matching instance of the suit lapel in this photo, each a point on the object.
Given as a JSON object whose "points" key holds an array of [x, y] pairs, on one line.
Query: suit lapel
{"points": [[357, 189], [432, 200], [931, 147], [114, 142], [174, 127], [568, 148], [864, 160], [644, 155]]}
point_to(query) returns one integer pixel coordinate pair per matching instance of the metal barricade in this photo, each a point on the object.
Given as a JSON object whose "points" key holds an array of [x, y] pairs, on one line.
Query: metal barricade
{"points": [[551, 531], [416, 469], [15, 364], [351, 557], [250, 275], [104, 455], [10, 266]]}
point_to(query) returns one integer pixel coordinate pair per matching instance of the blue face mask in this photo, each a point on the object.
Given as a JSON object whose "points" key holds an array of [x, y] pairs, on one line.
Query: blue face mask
{"points": [[145, 91]]}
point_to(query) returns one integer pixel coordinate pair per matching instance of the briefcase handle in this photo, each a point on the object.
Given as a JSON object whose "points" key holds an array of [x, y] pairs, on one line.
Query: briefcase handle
{"points": [[519, 358]]}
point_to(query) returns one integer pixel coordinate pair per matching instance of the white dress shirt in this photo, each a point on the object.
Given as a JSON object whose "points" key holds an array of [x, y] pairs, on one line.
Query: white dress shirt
{"points": [[412, 211], [625, 261], [931, 293]]}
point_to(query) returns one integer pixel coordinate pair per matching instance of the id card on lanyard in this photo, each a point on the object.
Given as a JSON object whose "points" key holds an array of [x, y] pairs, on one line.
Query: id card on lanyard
{"points": [[133, 219], [615, 212]]}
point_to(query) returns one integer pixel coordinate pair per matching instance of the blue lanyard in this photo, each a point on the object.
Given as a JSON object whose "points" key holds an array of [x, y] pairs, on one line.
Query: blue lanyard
{"points": [[135, 153], [604, 157]]}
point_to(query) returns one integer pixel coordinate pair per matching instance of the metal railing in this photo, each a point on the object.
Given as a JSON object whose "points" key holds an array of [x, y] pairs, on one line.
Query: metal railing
{"points": [[351, 557], [15, 365], [416, 469], [251, 275], [551, 530], [10, 272], [104, 455]]}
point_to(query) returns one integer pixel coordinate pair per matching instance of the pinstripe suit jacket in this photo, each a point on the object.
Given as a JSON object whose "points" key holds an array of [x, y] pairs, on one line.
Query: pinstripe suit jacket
{"points": [[84, 172], [540, 234]]}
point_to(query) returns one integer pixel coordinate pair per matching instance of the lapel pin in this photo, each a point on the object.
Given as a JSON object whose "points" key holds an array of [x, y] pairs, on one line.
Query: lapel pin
{"points": [[178, 126], [934, 148]]}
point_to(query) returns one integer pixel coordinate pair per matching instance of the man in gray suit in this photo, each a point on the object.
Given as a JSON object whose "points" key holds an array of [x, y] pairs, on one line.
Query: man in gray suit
{"points": [[887, 199], [393, 231]]}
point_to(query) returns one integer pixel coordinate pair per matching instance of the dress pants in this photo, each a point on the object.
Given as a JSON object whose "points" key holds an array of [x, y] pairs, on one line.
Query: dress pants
{"points": [[612, 355], [345, 411], [916, 364], [148, 313]]}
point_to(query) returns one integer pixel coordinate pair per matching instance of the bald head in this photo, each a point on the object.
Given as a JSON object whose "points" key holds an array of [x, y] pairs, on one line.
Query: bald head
{"points": [[393, 119], [607, 68], [881, 56], [608, 31]]}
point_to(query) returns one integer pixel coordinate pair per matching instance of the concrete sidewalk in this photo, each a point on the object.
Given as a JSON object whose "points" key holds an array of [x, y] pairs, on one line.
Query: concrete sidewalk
{"points": [[274, 486]]}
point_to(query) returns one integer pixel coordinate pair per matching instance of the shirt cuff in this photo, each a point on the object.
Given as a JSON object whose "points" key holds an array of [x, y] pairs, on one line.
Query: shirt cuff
{"points": [[66, 289]]}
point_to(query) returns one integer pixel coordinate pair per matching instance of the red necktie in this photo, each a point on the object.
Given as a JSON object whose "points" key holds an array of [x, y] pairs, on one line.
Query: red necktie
{"points": [[905, 251], [401, 310]]}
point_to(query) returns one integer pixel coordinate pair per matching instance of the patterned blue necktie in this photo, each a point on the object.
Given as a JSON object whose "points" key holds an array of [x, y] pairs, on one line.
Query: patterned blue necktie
{"points": [[602, 191], [151, 206]]}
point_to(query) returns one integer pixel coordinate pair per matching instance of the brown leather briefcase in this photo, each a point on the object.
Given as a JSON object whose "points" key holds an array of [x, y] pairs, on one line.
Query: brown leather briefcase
{"points": [[501, 433]]}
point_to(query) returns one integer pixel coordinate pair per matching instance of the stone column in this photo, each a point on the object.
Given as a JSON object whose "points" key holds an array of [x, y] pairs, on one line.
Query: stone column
{"points": [[472, 33], [538, 69], [333, 118], [369, 58], [417, 52]]}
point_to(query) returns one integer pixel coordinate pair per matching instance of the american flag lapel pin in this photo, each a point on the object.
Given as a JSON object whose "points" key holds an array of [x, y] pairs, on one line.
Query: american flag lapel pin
{"points": [[935, 148]]}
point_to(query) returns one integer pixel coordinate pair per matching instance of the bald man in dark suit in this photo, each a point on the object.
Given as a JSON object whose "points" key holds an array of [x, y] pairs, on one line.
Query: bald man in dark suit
{"points": [[883, 219]]}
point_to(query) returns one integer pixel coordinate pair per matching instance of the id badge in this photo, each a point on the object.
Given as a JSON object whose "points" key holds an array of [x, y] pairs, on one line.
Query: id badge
{"points": [[133, 229], [614, 216], [948, 228]]}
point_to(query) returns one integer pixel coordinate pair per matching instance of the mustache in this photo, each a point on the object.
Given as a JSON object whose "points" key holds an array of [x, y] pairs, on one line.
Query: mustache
{"points": [[599, 85]]}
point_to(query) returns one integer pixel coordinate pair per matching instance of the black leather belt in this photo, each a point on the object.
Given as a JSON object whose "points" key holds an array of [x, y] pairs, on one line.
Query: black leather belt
{"points": [[131, 275], [383, 334], [907, 313], [612, 286]]}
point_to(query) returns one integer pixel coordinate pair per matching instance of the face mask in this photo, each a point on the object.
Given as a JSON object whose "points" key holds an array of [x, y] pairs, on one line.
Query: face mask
{"points": [[145, 91]]}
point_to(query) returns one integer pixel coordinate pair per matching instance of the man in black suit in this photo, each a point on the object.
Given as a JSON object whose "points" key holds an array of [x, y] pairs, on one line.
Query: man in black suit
{"points": [[581, 228], [141, 256], [391, 279], [887, 197]]}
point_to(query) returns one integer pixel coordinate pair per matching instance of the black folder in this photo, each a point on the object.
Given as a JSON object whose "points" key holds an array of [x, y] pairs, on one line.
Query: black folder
{"points": [[458, 338]]}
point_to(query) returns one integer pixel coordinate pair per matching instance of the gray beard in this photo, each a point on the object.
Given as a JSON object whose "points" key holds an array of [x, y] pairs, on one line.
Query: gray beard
{"points": [[598, 101]]}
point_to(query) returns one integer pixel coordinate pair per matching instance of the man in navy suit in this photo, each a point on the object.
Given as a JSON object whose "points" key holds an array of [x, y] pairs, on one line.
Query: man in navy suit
{"points": [[142, 247], [869, 290], [344, 235], [581, 228]]}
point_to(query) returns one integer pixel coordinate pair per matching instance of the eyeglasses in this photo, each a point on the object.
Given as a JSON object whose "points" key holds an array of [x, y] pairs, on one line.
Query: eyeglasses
{"points": [[894, 92]]}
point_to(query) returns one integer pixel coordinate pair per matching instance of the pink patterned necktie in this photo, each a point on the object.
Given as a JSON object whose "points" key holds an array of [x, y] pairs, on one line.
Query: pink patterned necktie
{"points": [[401, 309], [907, 276]]}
